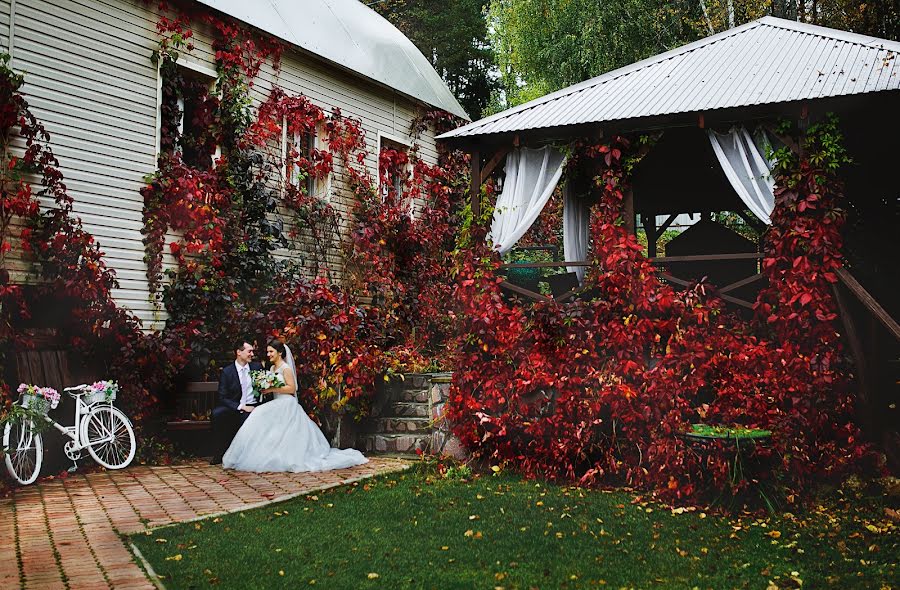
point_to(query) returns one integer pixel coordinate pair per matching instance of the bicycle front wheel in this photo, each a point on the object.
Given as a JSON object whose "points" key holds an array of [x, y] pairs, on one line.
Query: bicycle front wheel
{"points": [[109, 437], [23, 448]]}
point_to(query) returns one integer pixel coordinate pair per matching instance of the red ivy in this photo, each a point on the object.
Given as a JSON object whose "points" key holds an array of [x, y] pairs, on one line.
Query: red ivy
{"points": [[598, 391]]}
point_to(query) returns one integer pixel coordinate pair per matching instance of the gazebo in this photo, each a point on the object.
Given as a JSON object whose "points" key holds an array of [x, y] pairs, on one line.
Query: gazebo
{"points": [[715, 105]]}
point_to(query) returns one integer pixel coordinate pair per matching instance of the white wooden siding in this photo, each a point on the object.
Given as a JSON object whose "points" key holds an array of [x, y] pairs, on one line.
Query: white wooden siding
{"points": [[5, 10], [91, 80]]}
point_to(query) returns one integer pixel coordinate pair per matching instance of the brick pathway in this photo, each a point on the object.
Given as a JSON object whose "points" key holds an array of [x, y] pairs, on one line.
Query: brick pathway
{"points": [[66, 533]]}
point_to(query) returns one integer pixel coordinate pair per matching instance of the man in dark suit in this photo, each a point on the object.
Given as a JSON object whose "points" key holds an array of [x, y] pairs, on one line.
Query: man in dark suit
{"points": [[235, 398]]}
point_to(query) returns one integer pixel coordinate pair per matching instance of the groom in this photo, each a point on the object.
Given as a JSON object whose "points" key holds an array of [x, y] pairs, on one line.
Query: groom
{"points": [[235, 397]]}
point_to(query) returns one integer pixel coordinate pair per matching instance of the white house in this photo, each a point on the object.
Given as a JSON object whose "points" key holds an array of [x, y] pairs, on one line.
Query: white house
{"points": [[90, 78]]}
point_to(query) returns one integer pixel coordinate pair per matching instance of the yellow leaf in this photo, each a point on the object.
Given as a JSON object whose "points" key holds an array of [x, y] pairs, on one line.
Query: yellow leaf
{"points": [[280, 572], [468, 533], [174, 557], [161, 541], [445, 548], [774, 534], [495, 468], [372, 575]]}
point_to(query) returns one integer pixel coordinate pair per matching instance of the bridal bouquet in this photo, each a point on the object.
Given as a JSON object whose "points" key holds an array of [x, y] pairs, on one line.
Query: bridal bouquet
{"points": [[265, 380]]}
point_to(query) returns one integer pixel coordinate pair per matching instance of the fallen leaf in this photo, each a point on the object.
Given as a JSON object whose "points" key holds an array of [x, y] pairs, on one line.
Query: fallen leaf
{"points": [[176, 557], [373, 576]]}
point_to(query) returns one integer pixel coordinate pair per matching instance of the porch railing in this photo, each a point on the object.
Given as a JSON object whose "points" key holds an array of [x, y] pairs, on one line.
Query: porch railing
{"points": [[659, 261]]}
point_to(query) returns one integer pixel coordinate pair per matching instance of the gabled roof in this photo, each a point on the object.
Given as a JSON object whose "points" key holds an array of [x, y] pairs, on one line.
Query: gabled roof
{"points": [[351, 35], [770, 60]]}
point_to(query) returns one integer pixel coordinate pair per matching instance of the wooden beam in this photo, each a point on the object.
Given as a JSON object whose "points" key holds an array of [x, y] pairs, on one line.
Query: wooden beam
{"points": [[549, 264], [523, 291], [492, 164], [684, 283], [792, 145], [566, 295], [649, 222], [475, 187], [752, 221], [869, 302], [661, 229], [741, 283], [629, 211], [674, 279], [736, 301], [858, 355], [707, 257]]}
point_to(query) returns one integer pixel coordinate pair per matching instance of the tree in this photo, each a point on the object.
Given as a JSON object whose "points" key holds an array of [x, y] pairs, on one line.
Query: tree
{"points": [[453, 37], [545, 45]]}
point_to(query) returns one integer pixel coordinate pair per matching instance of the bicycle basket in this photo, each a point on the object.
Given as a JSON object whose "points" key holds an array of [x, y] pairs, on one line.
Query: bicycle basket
{"points": [[36, 403], [100, 392]]}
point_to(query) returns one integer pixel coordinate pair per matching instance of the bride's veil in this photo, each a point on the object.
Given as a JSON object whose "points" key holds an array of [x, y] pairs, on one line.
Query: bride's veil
{"points": [[289, 359]]}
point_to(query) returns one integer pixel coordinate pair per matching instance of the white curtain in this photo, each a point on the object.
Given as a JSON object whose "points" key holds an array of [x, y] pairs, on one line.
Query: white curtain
{"points": [[742, 157], [531, 177], [576, 229]]}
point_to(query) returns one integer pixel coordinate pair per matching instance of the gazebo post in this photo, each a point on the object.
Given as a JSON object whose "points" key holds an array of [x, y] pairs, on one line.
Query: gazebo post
{"points": [[629, 211], [475, 186], [648, 220]]}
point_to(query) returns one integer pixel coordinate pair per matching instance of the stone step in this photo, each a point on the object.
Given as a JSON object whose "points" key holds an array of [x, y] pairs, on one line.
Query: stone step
{"points": [[395, 443], [408, 409], [418, 396], [401, 424]]}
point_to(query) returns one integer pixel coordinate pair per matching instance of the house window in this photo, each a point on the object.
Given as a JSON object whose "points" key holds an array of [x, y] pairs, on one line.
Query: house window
{"points": [[299, 156], [187, 109], [394, 170]]}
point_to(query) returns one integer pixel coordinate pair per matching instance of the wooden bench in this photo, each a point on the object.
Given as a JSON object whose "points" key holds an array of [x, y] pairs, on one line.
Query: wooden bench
{"points": [[194, 405]]}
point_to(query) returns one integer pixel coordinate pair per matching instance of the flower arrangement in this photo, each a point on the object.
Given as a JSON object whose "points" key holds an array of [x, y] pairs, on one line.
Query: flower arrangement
{"points": [[102, 391], [263, 379], [42, 399]]}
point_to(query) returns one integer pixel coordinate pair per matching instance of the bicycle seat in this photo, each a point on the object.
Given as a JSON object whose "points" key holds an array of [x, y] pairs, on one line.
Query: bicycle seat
{"points": [[76, 390]]}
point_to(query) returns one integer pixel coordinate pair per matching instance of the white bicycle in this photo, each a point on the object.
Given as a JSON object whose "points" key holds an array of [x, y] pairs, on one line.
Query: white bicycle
{"points": [[102, 429]]}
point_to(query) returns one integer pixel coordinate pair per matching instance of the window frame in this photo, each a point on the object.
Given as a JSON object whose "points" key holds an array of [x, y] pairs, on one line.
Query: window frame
{"points": [[197, 68], [407, 145], [316, 187]]}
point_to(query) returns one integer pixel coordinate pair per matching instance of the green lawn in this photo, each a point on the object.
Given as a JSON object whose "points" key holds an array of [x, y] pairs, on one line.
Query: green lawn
{"points": [[404, 531]]}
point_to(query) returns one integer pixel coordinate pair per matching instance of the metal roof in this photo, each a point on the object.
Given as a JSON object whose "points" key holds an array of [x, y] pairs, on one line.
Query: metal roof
{"points": [[352, 35], [770, 60]]}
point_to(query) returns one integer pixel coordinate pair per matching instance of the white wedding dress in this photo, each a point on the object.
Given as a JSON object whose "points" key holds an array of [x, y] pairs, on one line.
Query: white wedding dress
{"points": [[279, 436]]}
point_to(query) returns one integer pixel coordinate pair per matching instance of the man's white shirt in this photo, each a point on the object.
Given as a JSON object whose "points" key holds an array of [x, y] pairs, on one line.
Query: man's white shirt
{"points": [[246, 386]]}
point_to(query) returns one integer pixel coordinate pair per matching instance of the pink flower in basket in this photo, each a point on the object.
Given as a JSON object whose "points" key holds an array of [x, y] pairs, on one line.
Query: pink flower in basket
{"points": [[47, 393], [104, 390]]}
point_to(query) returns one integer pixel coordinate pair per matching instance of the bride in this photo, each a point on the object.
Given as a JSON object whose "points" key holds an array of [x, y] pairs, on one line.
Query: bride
{"points": [[279, 436]]}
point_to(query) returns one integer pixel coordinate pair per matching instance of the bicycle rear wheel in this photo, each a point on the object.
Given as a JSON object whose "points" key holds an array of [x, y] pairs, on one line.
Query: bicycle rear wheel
{"points": [[24, 451], [109, 437]]}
